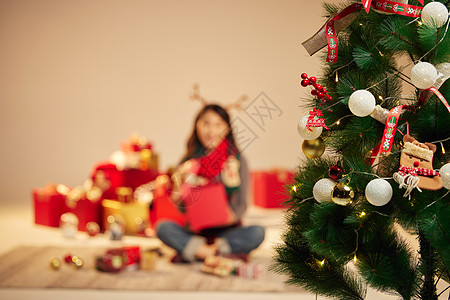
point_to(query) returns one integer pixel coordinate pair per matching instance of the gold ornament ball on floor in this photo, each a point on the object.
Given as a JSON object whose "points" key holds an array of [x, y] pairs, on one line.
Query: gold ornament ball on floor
{"points": [[313, 148], [55, 263], [342, 194]]}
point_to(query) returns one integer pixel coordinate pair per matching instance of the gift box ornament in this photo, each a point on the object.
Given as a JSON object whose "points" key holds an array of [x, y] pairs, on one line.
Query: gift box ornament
{"points": [[134, 214]]}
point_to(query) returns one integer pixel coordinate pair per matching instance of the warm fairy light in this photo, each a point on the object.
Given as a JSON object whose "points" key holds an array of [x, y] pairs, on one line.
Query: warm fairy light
{"points": [[381, 54], [362, 214], [354, 258], [338, 122], [321, 263], [360, 24], [443, 149], [337, 77], [294, 188], [380, 97], [419, 22]]}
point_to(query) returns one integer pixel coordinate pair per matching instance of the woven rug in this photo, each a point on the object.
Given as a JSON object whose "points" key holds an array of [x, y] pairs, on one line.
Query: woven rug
{"points": [[29, 267]]}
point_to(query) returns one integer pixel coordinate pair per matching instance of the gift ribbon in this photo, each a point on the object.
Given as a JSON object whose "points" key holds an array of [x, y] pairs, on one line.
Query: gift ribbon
{"points": [[366, 4], [328, 32], [437, 93], [397, 8], [389, 129]]}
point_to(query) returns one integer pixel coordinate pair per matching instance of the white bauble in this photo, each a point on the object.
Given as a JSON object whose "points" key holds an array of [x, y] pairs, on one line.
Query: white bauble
{"points": [[423, 75], [378, 192], [305, 132], [434, 14], [361, 103], [445, 175], [322, 190]]}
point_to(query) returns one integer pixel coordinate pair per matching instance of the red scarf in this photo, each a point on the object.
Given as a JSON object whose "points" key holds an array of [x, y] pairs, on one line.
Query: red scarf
{"points": [[417, 171], [212, 163]]}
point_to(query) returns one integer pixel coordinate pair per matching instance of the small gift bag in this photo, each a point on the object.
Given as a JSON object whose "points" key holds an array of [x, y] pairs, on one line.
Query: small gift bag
{"points": [[134, 214]]}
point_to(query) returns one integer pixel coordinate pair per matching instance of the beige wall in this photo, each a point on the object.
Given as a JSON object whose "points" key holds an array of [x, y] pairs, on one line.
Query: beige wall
{"points": [[78, 77]]}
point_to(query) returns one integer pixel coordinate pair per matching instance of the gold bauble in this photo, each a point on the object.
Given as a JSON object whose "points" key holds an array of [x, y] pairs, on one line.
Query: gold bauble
{"points": [[342, 194], [313, 148], [55, 263]]}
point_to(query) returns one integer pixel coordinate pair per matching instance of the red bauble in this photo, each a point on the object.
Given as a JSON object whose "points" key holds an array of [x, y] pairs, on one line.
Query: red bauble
{"points": [[313, 79], [68, 258], [304, 76], [305, 82], [335, 173]]}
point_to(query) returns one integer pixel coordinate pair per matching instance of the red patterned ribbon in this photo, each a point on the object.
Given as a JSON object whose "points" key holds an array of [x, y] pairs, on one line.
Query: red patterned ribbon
{"points": [[389, 129], [397, 8], [403, 170], [438, 94], [421, 2], [366, 4], [331, 33]]}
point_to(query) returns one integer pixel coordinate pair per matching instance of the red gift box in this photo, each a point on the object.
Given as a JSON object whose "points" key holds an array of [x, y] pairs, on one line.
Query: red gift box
{"points": [[49, 205], [88, 211], [163, 208], [106, 176], [132, 254], [135, 177], [268, 187]]}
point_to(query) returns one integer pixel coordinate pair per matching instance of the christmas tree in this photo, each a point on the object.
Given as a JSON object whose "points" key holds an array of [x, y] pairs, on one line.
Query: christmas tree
{"points": [[385, 122]]}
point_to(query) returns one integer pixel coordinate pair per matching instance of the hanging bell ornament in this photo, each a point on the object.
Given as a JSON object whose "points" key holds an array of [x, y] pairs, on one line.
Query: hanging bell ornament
{"points": [[313, 148], [335, 173], [342, 194]]}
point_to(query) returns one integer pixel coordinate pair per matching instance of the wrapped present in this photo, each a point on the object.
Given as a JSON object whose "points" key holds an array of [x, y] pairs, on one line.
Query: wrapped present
{"points": [[247, 270], [85, 203], [163, 208], [134, 214], [108, 178], [132, 255], [220, 266], [149, 259], [268, 187], [135, 153], [49, 204]]}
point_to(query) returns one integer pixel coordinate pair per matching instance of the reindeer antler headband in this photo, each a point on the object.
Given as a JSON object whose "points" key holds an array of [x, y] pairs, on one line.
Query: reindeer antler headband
{"points": [[235, 105]]}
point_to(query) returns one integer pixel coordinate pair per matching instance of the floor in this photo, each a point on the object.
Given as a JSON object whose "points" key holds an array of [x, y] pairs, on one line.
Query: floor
{"points": [[16, 221]]}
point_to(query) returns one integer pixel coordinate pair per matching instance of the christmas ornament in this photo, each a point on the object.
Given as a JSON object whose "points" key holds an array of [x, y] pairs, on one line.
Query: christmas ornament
{"points": [[322, 190], [68, 258], [435, 14], [327, 34], [92, 228], [335, 173], [378, 192], [69, 225], [397, 7], [445, 175], [416, 167], [423, 75], [361, 103], [380, 114], [55, 263], [319, 91], [313, 148], [315, 120], [342, 194], [116, 227], [77, 262], [308, 133]]}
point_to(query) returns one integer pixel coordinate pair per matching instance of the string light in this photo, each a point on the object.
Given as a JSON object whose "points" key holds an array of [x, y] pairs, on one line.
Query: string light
{"points": [[380, 97], [362, 214], [443, 149], [337, 77], [420, 23], [321, 262], [355, 258], [294, 188], [338, 122], [381, 54]]}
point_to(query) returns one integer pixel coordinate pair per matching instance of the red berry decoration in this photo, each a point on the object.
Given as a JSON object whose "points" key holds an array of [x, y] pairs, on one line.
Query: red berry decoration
{"points": [[318, 91], [68, 258]]}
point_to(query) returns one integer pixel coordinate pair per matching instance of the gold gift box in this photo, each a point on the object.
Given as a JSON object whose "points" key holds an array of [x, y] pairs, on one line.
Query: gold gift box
{"points": [[135, 215]]}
